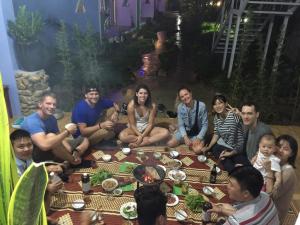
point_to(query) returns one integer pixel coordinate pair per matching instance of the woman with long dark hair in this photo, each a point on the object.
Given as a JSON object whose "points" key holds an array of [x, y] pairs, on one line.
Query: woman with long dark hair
{"points": [[228, 139], [141, 115]]}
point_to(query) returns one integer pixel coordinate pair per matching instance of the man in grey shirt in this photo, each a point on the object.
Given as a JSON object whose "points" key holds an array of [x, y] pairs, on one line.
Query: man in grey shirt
{"points": [[254, 128]]}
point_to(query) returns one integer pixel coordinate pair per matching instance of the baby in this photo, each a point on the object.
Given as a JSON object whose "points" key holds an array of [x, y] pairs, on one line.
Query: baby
{"points": [[266, 150]]}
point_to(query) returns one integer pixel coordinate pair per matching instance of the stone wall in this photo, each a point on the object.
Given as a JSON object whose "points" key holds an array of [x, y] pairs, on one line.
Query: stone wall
{"points": [[31, 86]]}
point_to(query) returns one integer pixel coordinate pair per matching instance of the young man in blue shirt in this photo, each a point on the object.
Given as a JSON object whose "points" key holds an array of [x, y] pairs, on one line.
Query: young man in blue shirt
{"points": [[87, 114], [50, 143]]}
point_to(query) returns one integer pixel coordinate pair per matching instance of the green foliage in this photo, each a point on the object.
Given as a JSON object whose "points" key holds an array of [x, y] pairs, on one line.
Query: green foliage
{"points": [[26, 205], [64, 57], [88, 56], [27, 26]]}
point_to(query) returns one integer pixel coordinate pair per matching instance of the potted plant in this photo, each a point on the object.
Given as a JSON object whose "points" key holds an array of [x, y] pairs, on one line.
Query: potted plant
{"points": [[25, 31]]}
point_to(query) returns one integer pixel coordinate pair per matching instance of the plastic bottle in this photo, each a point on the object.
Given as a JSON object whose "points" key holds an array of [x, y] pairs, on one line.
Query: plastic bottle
{"points": [[53, 177], [86, 183], [213, 175], [206, 216]]}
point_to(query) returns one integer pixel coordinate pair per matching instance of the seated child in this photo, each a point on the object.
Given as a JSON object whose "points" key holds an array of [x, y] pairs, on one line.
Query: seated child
{"points": [[265, 153], [23, 147]]}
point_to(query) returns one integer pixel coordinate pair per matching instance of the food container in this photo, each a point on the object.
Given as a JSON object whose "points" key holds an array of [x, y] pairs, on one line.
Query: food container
{"points": [[202, 158], [126, 151], [106, 157], [157, 155], [207, 190], [174, 154], [78, 204], [109, 184]]}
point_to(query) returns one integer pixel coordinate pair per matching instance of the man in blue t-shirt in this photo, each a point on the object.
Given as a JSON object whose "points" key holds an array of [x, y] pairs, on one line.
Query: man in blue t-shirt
{"points": [[50, 143], [87, 113]]}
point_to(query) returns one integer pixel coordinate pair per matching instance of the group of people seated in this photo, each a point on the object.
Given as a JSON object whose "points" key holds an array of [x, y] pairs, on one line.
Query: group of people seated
{"points": [[240, 142]]}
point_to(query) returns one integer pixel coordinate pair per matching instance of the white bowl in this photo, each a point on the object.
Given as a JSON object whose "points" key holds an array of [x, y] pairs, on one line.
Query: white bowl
{"points": [[78, 204], [113, 184], [126, 151], [218, 170], [207, 190], [117, 192], [106, 157], [69, 125], [202, 158], [181, 215], [174, 154]]}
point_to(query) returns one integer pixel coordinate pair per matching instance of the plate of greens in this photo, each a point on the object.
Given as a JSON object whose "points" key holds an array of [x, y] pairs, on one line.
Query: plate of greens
{"points": [[194, 202], [97, 178], [128, 210]]}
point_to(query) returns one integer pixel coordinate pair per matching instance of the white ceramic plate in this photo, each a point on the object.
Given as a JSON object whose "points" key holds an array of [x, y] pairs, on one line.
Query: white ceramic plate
{"points": [[202, 158], [207, 190], [177, 162], [173, 173], [130, 206], [78, 204], [175, 197]]}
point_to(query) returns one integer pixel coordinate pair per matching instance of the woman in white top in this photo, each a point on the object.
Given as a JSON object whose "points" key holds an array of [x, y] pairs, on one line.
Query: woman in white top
{"points": [[141, 115]]}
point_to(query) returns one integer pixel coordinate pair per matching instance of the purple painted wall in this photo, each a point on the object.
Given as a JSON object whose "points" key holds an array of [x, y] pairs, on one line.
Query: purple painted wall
{"points": [[161, 5], [126, 15], [147, 8]]}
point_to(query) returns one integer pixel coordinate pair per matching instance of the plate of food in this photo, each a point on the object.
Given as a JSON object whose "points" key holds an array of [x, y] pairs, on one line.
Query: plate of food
{"points": [[175, 163], [172, 199], [177, 175], [109, 184], [128, 210]]}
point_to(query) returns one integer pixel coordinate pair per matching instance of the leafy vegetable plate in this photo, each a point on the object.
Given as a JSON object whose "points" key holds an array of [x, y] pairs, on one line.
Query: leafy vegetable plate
{"points": [[128, 210]]}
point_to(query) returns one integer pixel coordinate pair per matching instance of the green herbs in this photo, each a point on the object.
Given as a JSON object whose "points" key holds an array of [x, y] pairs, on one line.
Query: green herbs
{"points": [[130, 211], [100, 176], [194, 202]]}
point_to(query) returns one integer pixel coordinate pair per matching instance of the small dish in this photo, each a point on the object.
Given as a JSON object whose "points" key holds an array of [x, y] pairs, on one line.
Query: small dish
{"points": [[202, 158], [177, 175], [181, 215], [174, 164], [157, 155], [128, 210], [117, 192], [174, 154], [109, 184], [163, 167], [172, 199], [78, 204], [106, 157], [207, 190], [126, 151]]}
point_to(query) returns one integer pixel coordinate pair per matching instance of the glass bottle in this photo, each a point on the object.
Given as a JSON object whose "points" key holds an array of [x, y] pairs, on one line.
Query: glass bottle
{"points": [[213, 175], [86, 183]]}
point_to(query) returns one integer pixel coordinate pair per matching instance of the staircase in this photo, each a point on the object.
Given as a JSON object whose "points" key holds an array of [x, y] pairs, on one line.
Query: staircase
{"points": [[248, 19]]}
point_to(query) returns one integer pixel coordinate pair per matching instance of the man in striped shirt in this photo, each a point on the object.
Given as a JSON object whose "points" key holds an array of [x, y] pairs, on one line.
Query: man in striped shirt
{"points": [[252, 206]]}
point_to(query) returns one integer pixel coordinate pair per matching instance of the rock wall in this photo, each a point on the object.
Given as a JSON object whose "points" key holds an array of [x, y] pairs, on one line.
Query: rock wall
{"points": [[31, 86]]}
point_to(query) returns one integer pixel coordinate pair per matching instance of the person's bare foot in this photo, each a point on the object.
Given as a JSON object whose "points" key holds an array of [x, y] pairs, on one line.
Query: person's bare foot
{"points": [[145, 142]]}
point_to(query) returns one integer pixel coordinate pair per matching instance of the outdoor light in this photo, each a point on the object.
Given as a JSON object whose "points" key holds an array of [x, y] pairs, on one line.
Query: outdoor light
{"points": [[211, 3], [219, 3], [245, 20]]}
